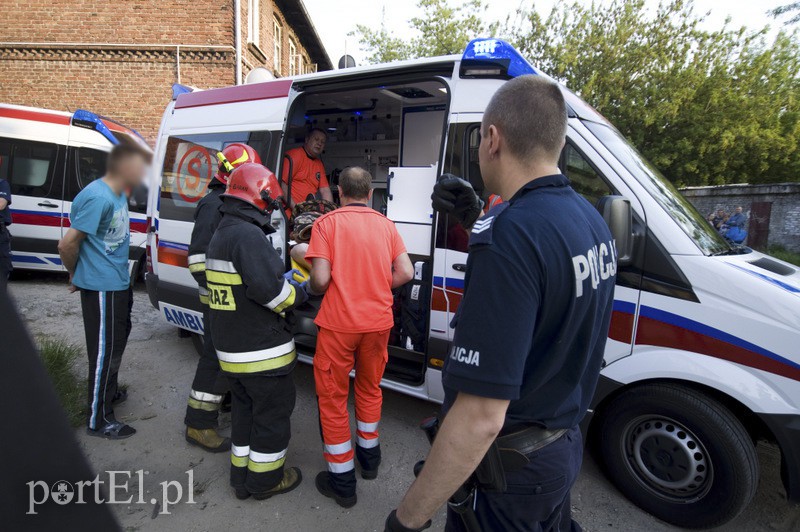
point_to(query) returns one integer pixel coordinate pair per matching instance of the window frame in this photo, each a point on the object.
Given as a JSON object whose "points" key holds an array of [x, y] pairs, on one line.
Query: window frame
{"points": [[53, 185], [277, 45], [562, 162], [293, 58], [254, 22]]}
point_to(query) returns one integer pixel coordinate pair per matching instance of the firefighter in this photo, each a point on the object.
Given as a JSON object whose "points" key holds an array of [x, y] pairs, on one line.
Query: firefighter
{"points": [[530, 331], [248, 299], [209, 386], [357, 258]]}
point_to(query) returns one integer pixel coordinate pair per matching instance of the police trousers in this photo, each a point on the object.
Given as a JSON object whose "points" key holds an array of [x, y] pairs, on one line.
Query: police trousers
{"points": [[208, 387], [337, 354], [537, 498], [5, 257], [107, 325], [261, 408]]}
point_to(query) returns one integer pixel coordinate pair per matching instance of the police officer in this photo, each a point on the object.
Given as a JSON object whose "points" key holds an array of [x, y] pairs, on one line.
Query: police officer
{"points": [[209, 386], [531, 328], [248, 299], [5, 236]]}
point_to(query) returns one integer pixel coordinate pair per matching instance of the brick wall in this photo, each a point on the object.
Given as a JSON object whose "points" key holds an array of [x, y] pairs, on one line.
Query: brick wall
{"points": [[264, 54], [116, 61], [784, 200]]}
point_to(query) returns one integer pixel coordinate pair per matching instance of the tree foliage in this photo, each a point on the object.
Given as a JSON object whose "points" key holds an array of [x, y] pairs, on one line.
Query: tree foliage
{"points": [[443, 29], [792, 8], [706, 107]]}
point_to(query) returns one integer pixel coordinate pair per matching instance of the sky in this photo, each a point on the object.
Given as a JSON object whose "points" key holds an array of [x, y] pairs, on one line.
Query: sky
{"points": [[334, 19]]}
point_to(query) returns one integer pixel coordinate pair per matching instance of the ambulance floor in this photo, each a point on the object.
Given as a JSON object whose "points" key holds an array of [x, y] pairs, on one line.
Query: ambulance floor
{"points": [[158, 367]]}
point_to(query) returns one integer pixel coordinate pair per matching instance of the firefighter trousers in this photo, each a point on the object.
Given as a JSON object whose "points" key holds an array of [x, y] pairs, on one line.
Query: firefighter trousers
{"points": [[208, 387], [107, 325], [261, 408], [337, 354]]}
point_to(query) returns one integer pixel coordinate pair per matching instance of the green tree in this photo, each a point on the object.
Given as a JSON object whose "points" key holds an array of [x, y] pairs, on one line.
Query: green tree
{"points": [[441, 30], [793, 7], [707, 107]]}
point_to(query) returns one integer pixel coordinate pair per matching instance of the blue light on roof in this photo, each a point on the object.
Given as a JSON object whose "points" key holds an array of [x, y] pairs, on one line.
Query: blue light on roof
{"points": [[178, 89], [89, 120], [497, 51]]}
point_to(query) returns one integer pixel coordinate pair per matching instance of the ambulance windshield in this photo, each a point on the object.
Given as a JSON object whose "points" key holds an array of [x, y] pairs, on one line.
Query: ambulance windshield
{"points": [[664, 192]]}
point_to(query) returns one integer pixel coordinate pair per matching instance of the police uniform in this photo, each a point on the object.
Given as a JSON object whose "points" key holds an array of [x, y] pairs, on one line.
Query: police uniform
{"points": [[5, 236], [208, 386], [248, 299], [531, 329]]}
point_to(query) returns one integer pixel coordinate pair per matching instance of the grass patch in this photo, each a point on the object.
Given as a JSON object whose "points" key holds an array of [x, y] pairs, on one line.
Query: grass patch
{"points": [[780, 253], [59, 359]]}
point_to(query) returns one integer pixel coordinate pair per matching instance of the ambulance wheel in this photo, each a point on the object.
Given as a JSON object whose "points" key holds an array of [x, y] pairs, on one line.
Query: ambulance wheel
{"points": [[197, 342], [679, 455]]}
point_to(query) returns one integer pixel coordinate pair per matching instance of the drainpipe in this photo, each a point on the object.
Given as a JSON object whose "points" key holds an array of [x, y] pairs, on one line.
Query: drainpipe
{"points": [[237, 39]]}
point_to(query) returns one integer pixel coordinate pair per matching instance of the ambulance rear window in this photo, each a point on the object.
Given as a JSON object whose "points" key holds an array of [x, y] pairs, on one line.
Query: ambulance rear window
{"points": [[190, 163]]}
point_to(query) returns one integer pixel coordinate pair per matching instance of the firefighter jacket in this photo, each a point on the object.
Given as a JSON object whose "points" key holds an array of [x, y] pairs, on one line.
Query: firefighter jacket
{"points": [[248, 296], [206, 219]]}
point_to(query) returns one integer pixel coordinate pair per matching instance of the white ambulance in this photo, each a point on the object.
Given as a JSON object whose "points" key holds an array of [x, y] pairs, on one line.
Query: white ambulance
{"points": [[703, 357], [48, 157]]}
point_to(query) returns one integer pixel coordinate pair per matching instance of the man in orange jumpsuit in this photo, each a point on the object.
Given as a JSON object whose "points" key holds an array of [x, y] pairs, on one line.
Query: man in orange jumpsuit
{"points": [[357, 258], [304, 172]]}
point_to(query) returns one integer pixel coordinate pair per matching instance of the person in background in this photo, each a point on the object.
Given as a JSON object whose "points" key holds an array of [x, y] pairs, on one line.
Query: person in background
{"points": [[307, 178], [5, 236], [94, 251], [209, 385], [249, 298], [530, 331], [719, 218], [737, 219], [357, 259]]}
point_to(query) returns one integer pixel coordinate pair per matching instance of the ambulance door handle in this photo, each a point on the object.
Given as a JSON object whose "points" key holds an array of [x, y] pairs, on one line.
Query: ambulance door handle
{"points": [[460, 267], [48, 205], [389, 186]]}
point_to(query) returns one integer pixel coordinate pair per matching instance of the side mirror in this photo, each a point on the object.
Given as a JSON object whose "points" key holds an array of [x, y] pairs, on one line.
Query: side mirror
{"points": [[616, 211]]}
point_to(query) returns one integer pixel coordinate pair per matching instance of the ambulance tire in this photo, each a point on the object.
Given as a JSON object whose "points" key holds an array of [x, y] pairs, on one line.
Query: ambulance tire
{"points": [[679, 455], [197, 342]]}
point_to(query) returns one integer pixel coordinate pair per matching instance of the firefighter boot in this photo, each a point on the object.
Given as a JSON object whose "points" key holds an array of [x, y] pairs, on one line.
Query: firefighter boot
{"points": [[291, 479], [208, 439]]}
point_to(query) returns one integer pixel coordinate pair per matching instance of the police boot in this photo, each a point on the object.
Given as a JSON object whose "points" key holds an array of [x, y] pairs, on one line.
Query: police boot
{"points": [[208, 439], [291, 479]]}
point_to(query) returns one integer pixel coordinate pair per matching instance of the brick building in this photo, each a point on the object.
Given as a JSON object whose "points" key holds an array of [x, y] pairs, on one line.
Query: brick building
{"points": [[119, 59]]}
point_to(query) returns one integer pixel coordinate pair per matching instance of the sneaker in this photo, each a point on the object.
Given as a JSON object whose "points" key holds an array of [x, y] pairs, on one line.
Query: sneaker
{"points": [[323, 483], [208, 439], [292, 478]]}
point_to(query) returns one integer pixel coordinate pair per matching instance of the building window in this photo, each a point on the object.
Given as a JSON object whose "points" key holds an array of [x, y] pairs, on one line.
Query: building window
{"points": [[294, 59], [254, 21], [277, 51]]}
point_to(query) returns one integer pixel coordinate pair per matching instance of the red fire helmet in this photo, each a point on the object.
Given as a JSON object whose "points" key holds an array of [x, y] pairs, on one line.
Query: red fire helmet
{"points": [[234, 155], [256, 185]]}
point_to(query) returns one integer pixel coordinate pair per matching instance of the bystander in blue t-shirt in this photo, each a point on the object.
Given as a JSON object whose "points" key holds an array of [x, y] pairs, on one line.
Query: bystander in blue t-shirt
{"points": [[103, 256]]}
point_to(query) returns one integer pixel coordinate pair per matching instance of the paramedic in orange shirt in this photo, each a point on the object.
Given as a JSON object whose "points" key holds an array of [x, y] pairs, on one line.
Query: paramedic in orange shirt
{"points": [[357, 258], [308, 173]]}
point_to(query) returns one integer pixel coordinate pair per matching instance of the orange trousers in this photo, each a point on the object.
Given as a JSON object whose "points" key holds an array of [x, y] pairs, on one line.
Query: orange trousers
{"points": [[337, 354]]}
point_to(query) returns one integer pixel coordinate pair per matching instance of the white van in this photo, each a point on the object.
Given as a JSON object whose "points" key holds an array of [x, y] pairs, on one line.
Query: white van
{"points": [[702, 358], [48, 157]]}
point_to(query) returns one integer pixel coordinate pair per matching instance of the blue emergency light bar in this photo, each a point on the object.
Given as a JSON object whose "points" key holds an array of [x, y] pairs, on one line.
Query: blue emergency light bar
{"points": [[178, 89], [493, 58], [89, 120]]}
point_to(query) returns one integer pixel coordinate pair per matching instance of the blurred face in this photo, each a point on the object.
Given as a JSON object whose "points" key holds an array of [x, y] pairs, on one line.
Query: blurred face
{"points": [[315, 144], [132, 170], [738, 210]]}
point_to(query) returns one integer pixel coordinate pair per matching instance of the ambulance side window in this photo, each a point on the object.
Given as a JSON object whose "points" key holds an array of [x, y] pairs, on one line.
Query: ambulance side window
{"points": [[31, 170], [585, 179], [84, 166]]}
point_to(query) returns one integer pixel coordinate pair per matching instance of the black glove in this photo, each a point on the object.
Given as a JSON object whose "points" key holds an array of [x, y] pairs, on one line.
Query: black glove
{"points": [[456, 197], [394, 525]]}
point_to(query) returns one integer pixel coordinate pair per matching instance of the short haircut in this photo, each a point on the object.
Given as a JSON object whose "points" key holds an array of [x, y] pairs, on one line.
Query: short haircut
{"points": [[314, 130], [531, 113], [355, 182], [122, 152]]}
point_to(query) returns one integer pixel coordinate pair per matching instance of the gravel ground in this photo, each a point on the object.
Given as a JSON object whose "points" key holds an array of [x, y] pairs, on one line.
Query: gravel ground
{"points": [[158, 367]]}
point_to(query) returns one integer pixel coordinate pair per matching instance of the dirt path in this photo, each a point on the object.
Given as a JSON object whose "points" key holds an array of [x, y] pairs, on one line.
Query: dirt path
{"points": [[158, 367]]}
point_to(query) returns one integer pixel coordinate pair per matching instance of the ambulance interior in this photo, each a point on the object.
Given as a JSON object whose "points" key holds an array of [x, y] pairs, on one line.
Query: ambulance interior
{"points": [[395, 132]]}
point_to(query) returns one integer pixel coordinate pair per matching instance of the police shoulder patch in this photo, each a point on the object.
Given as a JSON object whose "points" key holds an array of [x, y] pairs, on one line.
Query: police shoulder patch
{"points": [[481, 234]]}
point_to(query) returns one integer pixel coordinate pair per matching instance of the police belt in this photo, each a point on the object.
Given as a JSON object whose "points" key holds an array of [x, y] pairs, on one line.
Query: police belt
{"points": [[515, 446]]}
